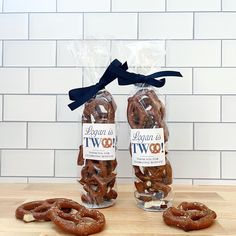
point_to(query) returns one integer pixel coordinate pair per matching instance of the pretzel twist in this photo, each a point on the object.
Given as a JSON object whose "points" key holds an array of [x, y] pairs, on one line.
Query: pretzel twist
{"points": [[189, 216], [98, 177], [36, 210], [81, 221], [145, 110]]}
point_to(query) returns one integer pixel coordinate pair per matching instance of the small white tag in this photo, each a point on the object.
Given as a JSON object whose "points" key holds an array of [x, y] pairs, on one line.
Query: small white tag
{"points": [[99, 141], [148, 147]]}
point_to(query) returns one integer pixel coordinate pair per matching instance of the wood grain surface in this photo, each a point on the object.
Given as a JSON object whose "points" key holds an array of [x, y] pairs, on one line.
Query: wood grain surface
{"points": [[124, 218]]}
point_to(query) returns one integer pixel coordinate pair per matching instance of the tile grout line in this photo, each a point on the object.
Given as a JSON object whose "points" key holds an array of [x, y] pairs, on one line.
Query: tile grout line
{"points": [[56, 118], [221, 109], [103, 67], [28, 26], [3, 107], [0, 162], [192, 82], [193, 25], [110, 51], [194, 137], [221, 165], [165, 5], [83, 26], [138, 14], [28, 71], [27, 136], [118, 39], [115, 12], [83, 77], [2, 53], [56, 54], [54, 163], [56, 6], [165, 58], [110, 5], [221, 53]]}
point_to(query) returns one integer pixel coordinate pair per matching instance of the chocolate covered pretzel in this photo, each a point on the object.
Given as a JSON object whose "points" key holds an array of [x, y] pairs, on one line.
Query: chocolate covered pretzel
{"points": [[81, 221], [37, 210], [98, 177], [145, 111], [189, 216]]}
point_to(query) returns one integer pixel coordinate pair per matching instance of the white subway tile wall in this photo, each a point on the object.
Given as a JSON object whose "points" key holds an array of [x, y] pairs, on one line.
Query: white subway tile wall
{"points": [[29, 53], [212, 25], [48, 47], [229, 53], [83, 53], [193, 5], [228, 113], [17, 108], [13, 135], [54, 80], [1, 42], [54, 135], [1, 108], [56, 26], [193, 53], [83, 6], [168, 25], [29, 5], [192, 108], [138, 5], [17, 163], [13, 80], [13, 26], [65, 163], [110, 26], [228, 5]]}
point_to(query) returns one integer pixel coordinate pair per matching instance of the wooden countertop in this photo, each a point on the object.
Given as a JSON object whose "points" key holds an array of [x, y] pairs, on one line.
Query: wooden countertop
{"points": [[124, 218]]}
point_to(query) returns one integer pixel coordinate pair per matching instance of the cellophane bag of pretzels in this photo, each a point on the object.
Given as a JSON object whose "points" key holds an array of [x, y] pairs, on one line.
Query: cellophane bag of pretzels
{"points": [[97, 152], [146, 115]]}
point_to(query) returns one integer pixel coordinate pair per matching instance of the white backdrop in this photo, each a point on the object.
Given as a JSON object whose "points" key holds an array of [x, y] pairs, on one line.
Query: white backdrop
{"points": [[39, 135]]}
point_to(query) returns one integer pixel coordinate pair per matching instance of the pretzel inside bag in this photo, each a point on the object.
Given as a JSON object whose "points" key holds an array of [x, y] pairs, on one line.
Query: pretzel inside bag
{"points": [[145, 110], [189, 216], [98, 177]]}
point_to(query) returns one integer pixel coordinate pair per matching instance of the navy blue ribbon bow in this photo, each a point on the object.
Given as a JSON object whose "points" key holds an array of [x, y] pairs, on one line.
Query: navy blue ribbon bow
{"points": [[126, 78], [81, 95]]}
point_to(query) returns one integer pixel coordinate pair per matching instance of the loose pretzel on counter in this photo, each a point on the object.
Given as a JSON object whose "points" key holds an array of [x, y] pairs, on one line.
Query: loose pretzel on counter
{"points": [[36, 210], [81, 221], [189, 216]]}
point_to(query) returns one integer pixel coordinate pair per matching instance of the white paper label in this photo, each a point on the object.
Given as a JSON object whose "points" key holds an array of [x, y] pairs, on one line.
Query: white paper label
{"points": [[147, 147], [99, 141]]}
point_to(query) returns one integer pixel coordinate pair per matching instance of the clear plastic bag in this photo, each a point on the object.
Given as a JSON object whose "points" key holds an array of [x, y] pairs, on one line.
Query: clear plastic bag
{"points": [[97, 153], [149, 133], [98, 174]]}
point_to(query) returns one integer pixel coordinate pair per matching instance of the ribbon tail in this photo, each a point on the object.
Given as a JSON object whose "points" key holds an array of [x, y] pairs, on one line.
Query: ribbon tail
{"points": [[166, 73], [74, 105], [81, 95]]}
